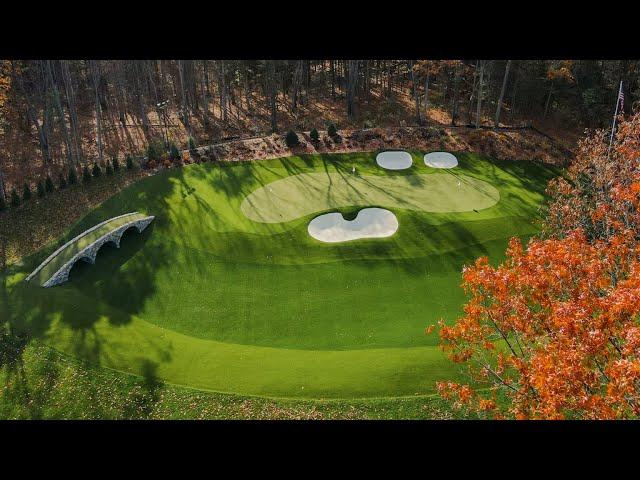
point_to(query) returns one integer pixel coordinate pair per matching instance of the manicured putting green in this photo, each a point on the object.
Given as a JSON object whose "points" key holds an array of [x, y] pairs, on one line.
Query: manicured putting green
{"points": [[209, 298], [314, 192]]}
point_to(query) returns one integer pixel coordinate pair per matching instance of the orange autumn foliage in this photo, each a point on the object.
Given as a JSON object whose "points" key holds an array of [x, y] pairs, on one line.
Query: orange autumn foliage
{"points": [[598, 190], [561, 69], [553, 332]]}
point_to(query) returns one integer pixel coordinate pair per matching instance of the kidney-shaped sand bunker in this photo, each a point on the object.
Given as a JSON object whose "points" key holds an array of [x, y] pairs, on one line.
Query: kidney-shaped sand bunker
{"points": [[369, 223]]}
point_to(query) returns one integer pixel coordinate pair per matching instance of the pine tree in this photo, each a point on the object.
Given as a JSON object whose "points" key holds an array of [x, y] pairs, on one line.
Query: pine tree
{"points": [[315, 136], [332, 131], [115, 163], [292, 139], [73, 176], [174, 152], [129, 162], [40, 188], [192, 144], [15, 198], [154, 152], [62, 182], [109, 169], [97, 171], [86, 175], [48, 184], [3, 203], [26, 192]]}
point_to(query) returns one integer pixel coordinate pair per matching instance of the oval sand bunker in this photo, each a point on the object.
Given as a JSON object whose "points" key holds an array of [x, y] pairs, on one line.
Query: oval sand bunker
{"points": [[440, 160], [369, 223], [397, 160]]}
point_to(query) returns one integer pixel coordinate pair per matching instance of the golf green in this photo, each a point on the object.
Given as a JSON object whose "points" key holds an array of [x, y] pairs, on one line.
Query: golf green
{"points": [[227, 291]]}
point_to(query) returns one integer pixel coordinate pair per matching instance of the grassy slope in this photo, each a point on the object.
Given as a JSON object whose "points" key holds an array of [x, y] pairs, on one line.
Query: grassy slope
{"points": [[282, 290]]}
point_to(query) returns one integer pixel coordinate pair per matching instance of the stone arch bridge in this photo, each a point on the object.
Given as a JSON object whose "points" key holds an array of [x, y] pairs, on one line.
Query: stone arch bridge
{"points": [[55, 269]]}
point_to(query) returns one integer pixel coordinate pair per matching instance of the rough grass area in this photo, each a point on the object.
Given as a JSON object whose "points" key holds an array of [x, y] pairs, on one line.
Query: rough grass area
{"points": [[44, 384], [208, 298]]}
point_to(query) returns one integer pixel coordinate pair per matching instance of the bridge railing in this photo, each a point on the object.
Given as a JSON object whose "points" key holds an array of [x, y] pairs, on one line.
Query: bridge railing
{"points": [[73, 240]]}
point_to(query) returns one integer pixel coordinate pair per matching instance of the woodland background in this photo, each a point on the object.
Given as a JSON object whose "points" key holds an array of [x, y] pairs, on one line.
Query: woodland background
{"points": [[56, 114]]}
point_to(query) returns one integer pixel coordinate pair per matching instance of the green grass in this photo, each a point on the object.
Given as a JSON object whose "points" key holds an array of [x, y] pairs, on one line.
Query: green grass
{"points": [[48, 385], [208, 298], [313, 192]]}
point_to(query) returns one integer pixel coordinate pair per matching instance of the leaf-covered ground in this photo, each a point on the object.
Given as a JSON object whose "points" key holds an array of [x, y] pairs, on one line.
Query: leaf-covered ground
{"points": [[43, 384]]}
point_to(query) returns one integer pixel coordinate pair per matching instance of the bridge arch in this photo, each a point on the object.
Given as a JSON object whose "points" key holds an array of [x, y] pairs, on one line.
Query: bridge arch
{"points": [[84, 247]]}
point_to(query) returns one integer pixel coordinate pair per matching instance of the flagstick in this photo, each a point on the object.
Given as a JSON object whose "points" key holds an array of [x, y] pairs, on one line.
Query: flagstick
{"points": [[615, 116]]}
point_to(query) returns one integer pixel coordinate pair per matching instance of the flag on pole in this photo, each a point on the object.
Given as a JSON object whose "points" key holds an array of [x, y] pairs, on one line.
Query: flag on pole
{"points": [[619, 103], [621, 98]]}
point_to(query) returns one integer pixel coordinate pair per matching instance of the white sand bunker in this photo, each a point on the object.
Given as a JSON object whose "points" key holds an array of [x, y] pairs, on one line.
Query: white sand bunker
{"points": [[369, 223], [394, 160], [440, 160]]}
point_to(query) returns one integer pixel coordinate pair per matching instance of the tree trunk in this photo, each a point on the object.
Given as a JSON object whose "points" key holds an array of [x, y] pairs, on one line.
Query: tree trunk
{"points": [[139, 98], [183, 96], [479, 104], [352, 84], [271, 88], [61, 115], [504, 86], [222, 87], [295, 85], [31, 114], [46, 109], [473, 92], [367, 79], [333, 79], [247, 90], [205, 94], [416, 100], [513, 93], [73, 113], [3, 189], [426, 96], [546, 105], [454, 103], [95, 76]]}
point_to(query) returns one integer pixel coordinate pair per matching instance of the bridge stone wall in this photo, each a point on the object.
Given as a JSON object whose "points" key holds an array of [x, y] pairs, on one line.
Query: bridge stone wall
{"points": [[88, 254]]}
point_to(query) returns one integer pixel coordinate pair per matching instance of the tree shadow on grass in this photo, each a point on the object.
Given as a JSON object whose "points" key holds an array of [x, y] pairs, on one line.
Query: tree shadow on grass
{"points": [[29, 312], [141, 402], [90, 297], [107, 282], [14, 339]]}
